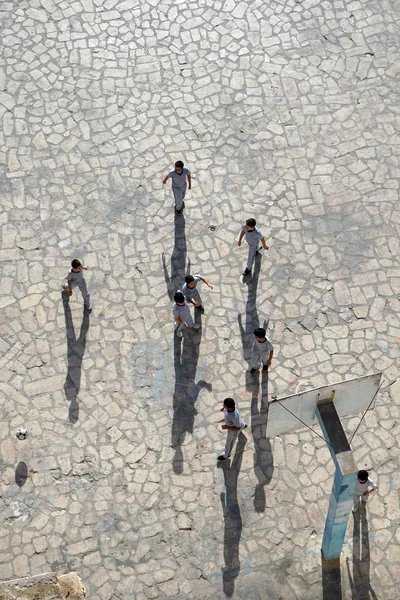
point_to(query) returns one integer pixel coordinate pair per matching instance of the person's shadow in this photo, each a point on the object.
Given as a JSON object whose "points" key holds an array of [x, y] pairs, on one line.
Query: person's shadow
{"points": [[232, 518], [75, 352], [263, 459], [360, 583], [186, 393], [186, 351], [179, 269]]}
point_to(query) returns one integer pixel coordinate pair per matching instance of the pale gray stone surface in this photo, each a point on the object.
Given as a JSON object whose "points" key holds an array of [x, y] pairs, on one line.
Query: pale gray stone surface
{"points": [[286, 111]]}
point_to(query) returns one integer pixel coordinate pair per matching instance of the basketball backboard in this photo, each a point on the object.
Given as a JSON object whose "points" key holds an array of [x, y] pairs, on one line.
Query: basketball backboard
{"points": [[351, 398]]}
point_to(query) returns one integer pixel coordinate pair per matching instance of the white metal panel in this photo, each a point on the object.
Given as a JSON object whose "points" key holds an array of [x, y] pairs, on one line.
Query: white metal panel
{"points": [[280, 421], [351, 398]]}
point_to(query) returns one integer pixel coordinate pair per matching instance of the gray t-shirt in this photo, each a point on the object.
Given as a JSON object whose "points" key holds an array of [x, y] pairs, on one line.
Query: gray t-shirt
{"points": [[190, 293], [252, 237], [183, 312], [233, 419], [263, 347], [360, 488], [75, 277], [179, 179]]}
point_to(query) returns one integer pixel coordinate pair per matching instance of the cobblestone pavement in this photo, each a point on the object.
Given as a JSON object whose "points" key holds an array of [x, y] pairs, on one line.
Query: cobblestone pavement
{"points": [[283, 110]]}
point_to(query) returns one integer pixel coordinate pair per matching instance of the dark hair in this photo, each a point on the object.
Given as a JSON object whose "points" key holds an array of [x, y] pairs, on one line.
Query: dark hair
{"points": [[189, 278], [75, 263], [179, 297], [251, 222], [229, 403], [179, 164], [362, 475], [259, 332]]}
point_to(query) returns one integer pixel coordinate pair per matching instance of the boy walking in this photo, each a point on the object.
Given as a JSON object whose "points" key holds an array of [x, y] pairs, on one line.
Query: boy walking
{"points": [[179, 176], [182, 315], [75, 279], [233, 424], [364, 487], [262, 351], [191, 291], [255, 241]]}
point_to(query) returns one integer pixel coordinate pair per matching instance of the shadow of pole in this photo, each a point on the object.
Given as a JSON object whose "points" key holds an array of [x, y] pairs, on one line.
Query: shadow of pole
{"points": [[75, 353], [232, 518], [186, 356], [361, 581], [263, 459], [331, 581]]}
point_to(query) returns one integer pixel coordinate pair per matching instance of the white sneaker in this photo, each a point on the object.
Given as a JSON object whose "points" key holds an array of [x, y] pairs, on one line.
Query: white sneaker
{"points": [[196, 326], [179, 334]]}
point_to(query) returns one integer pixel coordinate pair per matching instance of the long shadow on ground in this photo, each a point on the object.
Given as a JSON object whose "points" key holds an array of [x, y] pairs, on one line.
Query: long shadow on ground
{"points": [[232, 518], [179, 268], [186, 356], [263, 459], [361, 580], [75, 353]]}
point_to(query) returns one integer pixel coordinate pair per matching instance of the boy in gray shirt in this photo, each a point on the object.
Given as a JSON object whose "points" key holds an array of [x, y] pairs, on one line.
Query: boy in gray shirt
{"points": [[262, 351], [255, 241], [233, 424], [191, 291], [364, 487], [178, 177], [75, 279], [182, 315]]}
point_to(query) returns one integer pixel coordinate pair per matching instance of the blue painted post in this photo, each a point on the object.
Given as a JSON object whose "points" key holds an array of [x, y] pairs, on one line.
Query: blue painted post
{"points": [[344, 481]]}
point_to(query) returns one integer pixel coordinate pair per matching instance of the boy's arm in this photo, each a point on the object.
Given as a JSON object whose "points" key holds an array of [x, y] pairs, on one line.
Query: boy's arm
{"points": [[241, 236], [373, 487], [69, 287], [207, 282], [189, 178], [176, 316], [264, 243], [230, 427], [165, 179], [271, 353], [85, 268]]}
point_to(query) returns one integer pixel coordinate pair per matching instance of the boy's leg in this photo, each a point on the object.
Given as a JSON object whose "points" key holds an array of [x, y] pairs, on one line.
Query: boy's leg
{"points": [[190, 323], [230, 440], [356, 502], [179, 195], [178, 329], [250, 257], [264, 359], [255, 360], [197, 298], [85, 293]]}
